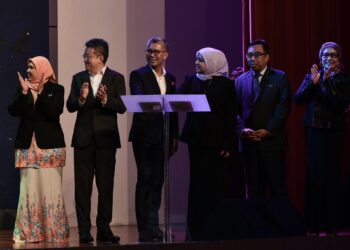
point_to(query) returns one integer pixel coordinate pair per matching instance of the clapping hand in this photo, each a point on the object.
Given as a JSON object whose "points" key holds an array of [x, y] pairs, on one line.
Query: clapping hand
{"points": [[36, 86], [102, 93], [330, 72], [84, 91], [315, 75], [24, 83]]}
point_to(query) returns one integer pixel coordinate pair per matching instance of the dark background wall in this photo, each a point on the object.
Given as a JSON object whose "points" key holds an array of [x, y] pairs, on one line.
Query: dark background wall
{"points": [[23, 34], [190, 26]]}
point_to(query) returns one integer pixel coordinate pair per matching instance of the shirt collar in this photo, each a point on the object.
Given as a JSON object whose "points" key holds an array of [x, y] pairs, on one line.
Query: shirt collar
{"points": [[102, 72], [263, 71], [155, 73]]}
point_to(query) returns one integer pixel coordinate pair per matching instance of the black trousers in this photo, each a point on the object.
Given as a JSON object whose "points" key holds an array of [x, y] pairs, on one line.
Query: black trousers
{"points": [[150, 178], [93, 162], [322, 187], [265, 170]]}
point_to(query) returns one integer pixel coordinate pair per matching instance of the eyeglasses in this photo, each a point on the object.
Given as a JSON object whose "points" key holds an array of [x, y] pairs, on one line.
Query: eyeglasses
{"points": [[256, 55], [88, 56], [154, 51], [332, 55]]}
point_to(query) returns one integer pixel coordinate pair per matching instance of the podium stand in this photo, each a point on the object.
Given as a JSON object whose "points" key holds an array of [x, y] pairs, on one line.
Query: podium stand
{"points": [[166, 104]]}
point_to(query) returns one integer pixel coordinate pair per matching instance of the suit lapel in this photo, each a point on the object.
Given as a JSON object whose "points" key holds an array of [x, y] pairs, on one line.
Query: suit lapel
{"points": [[107, 78], [169, 84], [152, 81]]}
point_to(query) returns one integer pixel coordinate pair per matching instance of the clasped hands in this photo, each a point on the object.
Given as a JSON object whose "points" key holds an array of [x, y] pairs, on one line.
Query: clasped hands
{"points": [[254, 135]]}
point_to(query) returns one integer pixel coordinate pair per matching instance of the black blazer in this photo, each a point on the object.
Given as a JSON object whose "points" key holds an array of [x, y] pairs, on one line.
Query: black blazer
{"points": [[42, 118], [326, 102], [94, 121], [269, 110], [214, 129], [148, 127]]}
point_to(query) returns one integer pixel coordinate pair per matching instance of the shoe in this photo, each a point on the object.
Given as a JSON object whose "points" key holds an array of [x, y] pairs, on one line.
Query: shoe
{"points": [[155, 234], [85, 237], [107, 237], [152, 235], [143, 236]]}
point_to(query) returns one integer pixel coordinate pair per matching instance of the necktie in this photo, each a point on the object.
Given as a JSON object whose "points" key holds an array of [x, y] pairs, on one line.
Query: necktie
{"points": [[256, 84]]}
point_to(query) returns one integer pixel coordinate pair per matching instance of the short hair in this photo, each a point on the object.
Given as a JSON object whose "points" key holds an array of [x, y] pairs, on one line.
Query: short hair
{"points": [[261, 42], [331, 45], [100, 46], [157, 39]]}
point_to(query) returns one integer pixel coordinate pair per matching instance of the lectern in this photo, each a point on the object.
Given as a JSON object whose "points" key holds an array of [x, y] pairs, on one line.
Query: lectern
{"points": [[166, 104]]}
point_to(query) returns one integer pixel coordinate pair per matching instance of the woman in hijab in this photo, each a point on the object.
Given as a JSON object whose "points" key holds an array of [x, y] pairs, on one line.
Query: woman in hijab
{"points": [[210, 138], [40, 155], [326, 94]]}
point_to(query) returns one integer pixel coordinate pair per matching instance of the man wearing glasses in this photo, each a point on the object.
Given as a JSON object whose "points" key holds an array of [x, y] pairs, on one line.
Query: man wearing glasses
{"points": [[147, 137], [95, 96], [264, 96]]}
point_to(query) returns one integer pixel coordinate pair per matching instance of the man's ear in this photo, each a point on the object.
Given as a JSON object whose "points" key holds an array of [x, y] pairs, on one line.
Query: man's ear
{"points": [[166, 55], [101, 57]]}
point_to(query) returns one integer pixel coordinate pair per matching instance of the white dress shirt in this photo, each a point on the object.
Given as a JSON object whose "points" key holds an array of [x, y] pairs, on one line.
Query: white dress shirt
{"points": [[161, 81], [96, 79]]}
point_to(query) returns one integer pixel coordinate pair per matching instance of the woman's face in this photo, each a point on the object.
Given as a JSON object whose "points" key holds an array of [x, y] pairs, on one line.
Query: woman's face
{"points": [[32, 72], [200, 64], [330, 58]]}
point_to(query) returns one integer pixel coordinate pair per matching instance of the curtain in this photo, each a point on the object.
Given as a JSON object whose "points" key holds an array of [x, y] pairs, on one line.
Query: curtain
{"points": [[295, 30]]}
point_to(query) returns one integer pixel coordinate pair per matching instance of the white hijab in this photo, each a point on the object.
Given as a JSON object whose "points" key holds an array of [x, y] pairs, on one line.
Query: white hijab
{"points": [[215, 61]]}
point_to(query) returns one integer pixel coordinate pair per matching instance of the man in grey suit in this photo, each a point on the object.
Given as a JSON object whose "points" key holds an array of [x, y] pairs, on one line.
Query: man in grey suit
{"points": [[264, 97]]}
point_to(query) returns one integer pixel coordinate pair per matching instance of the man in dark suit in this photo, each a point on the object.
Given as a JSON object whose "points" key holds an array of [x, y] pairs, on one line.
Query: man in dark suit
{"points": [[95, 95], [264, 96], [147, 137]]}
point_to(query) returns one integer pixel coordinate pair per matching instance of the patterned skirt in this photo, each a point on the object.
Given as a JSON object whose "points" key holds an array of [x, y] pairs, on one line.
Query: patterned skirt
{"points": [[35, 157], [41, 214]]}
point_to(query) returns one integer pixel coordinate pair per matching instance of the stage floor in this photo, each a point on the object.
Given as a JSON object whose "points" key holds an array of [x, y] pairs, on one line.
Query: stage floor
{"points": [[129, 241], [127, 234]]}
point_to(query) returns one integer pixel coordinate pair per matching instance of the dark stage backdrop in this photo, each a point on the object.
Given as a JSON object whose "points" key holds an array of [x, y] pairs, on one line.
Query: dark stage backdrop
{"points": [[23, 34], [295, 31]]}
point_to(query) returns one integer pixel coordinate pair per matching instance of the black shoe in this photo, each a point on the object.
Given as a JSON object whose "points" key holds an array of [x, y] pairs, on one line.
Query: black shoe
{"points": [[143, 236], [107, 237], [85, 237], [155, 234]]}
